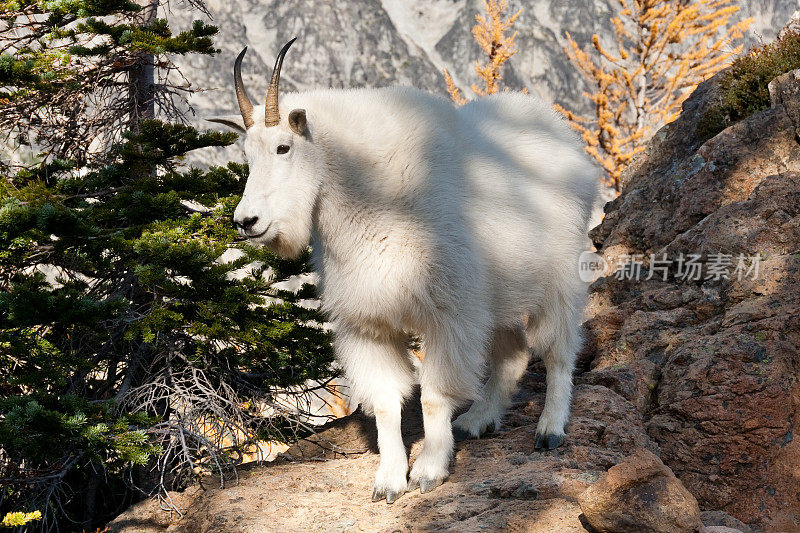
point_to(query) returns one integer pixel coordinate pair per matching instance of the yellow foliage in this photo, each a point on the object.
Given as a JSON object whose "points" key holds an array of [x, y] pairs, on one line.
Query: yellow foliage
{"points": [[490, 33], [664, 48], [340, 405], [20, 519], [455, 94]]}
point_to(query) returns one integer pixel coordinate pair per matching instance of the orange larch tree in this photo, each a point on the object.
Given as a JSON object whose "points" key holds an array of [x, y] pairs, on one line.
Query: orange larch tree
{"points": [[490, 33], [663, 49]]}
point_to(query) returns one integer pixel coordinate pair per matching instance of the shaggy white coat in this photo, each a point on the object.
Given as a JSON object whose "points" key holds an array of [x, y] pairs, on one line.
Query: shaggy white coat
{"points": [[460, 225]]}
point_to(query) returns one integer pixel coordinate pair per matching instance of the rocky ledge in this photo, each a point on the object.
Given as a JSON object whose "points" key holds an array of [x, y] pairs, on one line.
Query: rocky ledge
{"points": [[686, 396]]}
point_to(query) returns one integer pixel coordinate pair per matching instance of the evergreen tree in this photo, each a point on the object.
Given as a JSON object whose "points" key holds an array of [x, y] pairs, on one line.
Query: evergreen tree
{"points": [[133, 347]]}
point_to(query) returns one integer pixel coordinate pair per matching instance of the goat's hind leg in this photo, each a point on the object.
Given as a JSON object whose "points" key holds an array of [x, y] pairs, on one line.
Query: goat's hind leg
{"points": [[509, 357], [450, 374], [557, 338], [381, 377]]}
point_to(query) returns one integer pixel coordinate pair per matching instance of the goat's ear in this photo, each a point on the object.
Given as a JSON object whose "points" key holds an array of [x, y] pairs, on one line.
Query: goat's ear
{"points": [[297, 121], [234, 122]]}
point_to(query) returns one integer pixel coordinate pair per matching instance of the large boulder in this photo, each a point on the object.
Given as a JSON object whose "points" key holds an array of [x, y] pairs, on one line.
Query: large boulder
{"points": [[640, 495]]}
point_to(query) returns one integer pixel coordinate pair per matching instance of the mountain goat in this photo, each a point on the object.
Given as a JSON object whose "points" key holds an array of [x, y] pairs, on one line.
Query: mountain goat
{"points": [[462, 226]]}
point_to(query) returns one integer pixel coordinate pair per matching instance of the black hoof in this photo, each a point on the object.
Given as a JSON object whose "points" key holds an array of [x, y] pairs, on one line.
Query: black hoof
{"points": [[427, 484], [549, 442], [424, 485], [390, 496], [460, 435]]}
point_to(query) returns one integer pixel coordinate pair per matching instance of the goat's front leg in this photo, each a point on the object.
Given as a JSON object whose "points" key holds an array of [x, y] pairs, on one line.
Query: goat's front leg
{"points": [[381, 376], [390, 479], [432, 466]]}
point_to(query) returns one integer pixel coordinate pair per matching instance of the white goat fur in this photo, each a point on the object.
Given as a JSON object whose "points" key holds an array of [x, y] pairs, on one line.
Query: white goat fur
{"points": [[460, 225]]}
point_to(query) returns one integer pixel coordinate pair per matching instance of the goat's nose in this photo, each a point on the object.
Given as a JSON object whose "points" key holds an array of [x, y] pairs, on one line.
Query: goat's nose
{"points": [[246, 224]]}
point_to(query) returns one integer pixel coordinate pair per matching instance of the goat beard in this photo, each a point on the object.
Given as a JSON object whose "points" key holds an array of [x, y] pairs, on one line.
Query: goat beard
{"points": [[285, 248]]}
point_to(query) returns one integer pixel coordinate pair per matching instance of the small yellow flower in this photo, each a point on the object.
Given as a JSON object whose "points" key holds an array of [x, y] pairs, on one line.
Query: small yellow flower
{"points": [[20, 518]]}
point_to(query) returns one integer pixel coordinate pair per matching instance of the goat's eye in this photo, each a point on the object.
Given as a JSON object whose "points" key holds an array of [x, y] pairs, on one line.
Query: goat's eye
{"points": [[283, 148]]}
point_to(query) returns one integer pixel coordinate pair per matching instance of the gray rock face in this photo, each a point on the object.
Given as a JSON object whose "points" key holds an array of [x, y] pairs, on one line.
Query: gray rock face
{"points": [[375, 43]]}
